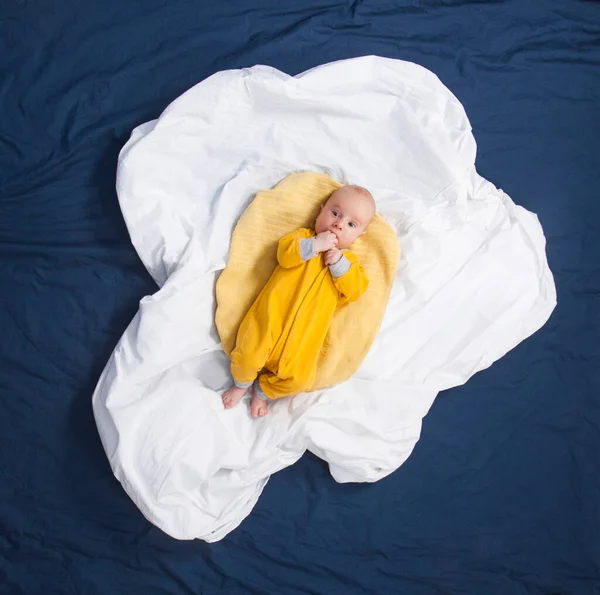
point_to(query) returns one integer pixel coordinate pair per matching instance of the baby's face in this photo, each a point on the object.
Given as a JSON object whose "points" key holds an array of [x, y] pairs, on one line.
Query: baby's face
{"points": [[346, 214]]}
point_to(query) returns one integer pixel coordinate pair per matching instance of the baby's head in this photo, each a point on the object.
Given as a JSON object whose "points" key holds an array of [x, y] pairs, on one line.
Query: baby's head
{"points": [[347, 214]]}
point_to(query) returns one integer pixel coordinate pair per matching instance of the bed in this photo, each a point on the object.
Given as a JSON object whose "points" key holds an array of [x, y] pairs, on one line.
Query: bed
{"points": [[501, 492]]}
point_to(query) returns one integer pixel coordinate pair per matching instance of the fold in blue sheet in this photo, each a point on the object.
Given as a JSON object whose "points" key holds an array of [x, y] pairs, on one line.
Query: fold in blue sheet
{"points": [[501, 494]]}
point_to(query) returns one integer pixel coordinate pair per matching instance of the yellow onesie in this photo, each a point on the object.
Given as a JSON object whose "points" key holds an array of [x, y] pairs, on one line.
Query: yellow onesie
{"points": [[280, 337]]}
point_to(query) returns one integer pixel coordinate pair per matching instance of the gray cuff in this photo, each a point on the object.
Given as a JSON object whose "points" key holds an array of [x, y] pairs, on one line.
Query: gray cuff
{"points": [[307, 248], [341, 267], [259, 392], [243, 384]]}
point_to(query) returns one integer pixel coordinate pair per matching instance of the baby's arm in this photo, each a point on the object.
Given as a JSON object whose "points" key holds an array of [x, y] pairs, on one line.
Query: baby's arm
{"points": [[299, 246], [348, 276]]}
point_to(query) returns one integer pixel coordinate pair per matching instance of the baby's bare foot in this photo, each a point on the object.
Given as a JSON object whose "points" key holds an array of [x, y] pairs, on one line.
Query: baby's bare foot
{"points": [[258, 408], [233, 396]]}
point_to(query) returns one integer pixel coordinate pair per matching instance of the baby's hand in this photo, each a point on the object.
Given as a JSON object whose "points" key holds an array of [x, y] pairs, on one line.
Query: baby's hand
{"points": [[325, 241], [332, 256]]}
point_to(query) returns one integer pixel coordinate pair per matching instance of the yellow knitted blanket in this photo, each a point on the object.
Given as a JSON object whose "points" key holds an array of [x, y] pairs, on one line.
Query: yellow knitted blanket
{"points": [[294, 203]]}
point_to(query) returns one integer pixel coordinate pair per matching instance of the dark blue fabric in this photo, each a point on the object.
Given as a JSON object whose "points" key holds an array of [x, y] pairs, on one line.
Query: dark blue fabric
{"points": [[502, 493]]}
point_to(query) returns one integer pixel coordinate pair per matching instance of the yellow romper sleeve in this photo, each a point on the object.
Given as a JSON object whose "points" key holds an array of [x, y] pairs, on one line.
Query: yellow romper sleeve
{"points": [[353, 282], [288, 250]]}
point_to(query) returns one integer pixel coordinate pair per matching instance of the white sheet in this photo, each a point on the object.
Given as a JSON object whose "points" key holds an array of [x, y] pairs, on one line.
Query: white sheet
{"points": [[472, 284]]}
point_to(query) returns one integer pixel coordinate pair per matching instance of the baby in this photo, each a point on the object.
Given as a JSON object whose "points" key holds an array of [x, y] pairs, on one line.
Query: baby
{"points": [[281, 336]]}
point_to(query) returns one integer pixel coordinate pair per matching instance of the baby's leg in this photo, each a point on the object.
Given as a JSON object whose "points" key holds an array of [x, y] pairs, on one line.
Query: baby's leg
{"points": [[248, 358], [259, 406]]}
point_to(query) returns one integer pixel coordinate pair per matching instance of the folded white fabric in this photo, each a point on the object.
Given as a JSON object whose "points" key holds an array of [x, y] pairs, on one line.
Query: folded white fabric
{"points": [[473, 281]]}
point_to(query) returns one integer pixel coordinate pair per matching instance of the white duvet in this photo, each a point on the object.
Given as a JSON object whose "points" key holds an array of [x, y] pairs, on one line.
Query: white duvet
{"points": [[473, 282]]}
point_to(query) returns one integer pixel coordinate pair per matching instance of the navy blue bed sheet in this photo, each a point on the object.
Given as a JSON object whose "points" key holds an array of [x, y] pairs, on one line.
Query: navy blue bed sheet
{"points": [[502, 493]]}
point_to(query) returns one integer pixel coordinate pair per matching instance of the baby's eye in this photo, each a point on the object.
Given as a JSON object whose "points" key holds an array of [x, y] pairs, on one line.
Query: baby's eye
{"points": [[352, 224], [335, 213]]}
